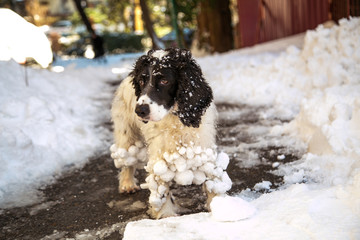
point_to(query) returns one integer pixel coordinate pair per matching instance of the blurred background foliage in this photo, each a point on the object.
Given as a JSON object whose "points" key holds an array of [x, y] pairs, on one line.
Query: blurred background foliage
{"points": [[123, 24]]}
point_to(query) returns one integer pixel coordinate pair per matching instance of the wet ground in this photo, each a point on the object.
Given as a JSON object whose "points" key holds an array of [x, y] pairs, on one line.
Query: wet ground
{"points": [[85, 203]]}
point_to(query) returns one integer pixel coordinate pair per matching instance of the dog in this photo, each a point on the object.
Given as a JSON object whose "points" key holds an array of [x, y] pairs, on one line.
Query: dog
{"points": [[164, 119]]}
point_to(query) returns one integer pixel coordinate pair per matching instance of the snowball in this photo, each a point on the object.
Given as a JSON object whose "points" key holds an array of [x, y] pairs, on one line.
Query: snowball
{"points": [[175, 156], [160, 167], [218, 172], [119, 162], [189, 153], [208, 168], [204, 158], [114, 156], [197, 150], [209, 185], [130, 161], [144, 186], [155, 202], [226, 179], [121, 152], [167, 158], [199, 177], [223, 185], [113, 148], [184, 178], [182, 150], [180, 164], [209, 152], [222, 160], [264, 185], [162, 189], [230, 209], [275, 164], [152, 184], [133, 150], [197, 161], [167, 176]]}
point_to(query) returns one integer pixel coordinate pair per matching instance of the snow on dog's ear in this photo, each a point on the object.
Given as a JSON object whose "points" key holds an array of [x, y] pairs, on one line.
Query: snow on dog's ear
{"points": [[194, 95], [140, 64]]}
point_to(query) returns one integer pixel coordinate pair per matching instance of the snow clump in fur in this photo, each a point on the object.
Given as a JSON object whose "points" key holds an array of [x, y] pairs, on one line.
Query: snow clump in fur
{"points": [[134, 155]]}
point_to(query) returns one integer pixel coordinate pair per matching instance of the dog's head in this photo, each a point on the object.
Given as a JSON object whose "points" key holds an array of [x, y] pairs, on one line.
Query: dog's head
{"points": [[170, 81]]}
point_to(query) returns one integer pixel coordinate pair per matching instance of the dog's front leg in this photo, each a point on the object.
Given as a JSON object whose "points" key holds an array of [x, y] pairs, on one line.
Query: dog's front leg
{"points": [[127, 180], [161, 202], [128, 160]]}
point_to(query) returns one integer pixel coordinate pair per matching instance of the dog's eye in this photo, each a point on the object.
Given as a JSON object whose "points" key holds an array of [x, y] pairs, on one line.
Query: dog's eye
{"points": [[164, 82], [141, 83]]}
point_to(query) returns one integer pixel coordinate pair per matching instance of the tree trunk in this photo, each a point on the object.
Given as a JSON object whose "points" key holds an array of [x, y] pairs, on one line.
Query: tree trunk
{"points": [[214, 26], [96, 40], [157, 44]]}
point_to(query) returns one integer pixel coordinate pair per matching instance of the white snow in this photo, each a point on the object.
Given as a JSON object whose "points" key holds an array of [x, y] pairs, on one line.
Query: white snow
{"points": [[51, 125], [264, 185], [159, 54], [21, 39], [230, 209], [318, 86], [135, 155]]}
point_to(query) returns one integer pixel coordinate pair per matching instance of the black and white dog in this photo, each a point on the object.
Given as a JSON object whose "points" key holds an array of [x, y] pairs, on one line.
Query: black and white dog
{"points": [[164, 118]]}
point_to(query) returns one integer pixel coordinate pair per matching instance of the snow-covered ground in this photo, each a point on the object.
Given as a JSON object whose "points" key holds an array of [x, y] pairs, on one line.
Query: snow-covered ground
{"points": [[52, 125]]}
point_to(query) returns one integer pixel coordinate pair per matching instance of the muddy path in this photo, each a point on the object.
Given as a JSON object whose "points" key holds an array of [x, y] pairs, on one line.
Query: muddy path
{"points": [[85, 203]]}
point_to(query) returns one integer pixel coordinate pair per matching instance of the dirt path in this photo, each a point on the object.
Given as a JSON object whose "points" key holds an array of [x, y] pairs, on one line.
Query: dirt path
{"points": [[85, 204]]}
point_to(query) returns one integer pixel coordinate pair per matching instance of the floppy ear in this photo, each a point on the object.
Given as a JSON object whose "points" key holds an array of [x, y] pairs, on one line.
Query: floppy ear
{"points": [[140, 64], [194, 95]]}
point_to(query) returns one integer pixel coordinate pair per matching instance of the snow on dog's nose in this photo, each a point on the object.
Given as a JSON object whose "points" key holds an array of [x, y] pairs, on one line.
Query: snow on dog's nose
{"points": [[149, 110]]}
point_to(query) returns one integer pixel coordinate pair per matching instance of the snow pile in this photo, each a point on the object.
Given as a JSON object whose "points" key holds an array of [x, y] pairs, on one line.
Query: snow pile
{"points": [[21, 39], [329, 120], [47, 126], [320, 87], [298, 213]]}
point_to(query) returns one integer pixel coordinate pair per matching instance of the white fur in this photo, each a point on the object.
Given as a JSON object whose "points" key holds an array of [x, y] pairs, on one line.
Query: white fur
{"points": [[175, 152], [157, 112]]}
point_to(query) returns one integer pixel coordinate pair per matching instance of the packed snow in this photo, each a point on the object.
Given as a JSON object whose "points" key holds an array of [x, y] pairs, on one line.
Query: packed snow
{"points": [[53, 124]]}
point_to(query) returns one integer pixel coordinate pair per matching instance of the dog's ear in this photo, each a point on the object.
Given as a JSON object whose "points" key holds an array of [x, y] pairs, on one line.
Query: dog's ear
{"points": [[194, 95], [136, 73]]}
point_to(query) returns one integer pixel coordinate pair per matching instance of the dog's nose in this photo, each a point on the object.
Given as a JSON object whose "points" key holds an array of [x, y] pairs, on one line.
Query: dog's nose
{"points": [[142, 110]]}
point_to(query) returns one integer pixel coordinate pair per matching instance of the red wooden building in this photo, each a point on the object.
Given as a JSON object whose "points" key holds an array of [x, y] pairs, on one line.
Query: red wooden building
{"points": [[265, 20]]}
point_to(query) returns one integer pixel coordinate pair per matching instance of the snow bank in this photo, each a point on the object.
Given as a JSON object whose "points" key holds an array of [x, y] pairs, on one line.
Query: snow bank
{"points": [[298, 212], [21, 39], [329, 120], [319, 86], [47, 126]]}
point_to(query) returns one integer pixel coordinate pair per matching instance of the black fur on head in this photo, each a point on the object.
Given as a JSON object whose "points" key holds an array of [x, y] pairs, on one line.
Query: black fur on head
{"points": [[193, 95]]}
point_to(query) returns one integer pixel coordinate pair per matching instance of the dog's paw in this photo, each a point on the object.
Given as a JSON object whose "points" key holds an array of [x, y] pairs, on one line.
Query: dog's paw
{"points": [[168, 209], [128, 187], [161, 214]]}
